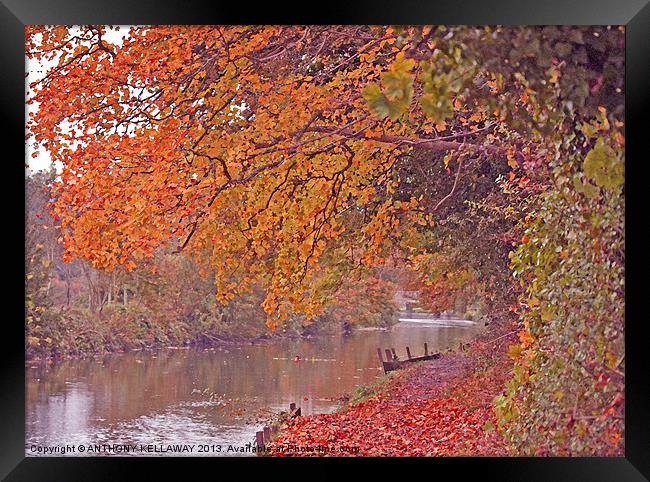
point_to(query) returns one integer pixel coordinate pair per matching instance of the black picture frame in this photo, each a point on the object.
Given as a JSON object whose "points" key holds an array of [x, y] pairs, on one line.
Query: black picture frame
{"points": [[634, 14]]}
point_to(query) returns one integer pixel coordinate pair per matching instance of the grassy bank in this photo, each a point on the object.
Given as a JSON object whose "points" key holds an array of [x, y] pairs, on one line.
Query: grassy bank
{"points": [[75, 333]]}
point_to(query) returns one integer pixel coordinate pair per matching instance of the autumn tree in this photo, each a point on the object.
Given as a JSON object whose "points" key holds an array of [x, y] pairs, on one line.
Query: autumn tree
{"points": [[254, 141]]}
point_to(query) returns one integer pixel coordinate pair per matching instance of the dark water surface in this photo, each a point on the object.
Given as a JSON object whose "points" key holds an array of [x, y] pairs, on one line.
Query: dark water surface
{"points": [[216, 396]]}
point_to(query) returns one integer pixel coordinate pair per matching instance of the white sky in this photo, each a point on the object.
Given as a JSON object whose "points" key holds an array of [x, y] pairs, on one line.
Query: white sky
{"points": [[36, 70]]}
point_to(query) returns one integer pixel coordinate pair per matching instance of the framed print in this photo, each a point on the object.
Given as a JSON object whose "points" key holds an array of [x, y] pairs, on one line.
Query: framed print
{"points": [[387, 235]]}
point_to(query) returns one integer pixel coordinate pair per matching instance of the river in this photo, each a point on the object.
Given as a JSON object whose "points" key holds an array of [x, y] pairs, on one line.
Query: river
{"points": [[218, 396]]}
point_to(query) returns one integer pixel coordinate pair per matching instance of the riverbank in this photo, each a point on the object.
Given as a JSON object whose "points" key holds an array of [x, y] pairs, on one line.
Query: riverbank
{"points": [[76, 333], [204, 342], [201, 342], [439, 407]]}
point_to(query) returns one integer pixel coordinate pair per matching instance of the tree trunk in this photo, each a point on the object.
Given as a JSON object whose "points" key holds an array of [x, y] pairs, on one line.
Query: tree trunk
{"points": [[91, 289], [111, 288]]}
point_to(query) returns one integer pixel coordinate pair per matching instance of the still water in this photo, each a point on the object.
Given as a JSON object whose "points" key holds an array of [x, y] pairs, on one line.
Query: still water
{"points": [[216, 396]]}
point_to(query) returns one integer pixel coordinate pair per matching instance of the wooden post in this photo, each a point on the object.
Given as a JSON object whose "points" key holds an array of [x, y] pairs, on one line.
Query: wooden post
{"points": [[381, 358], [394, 354], [293, 411], [408, 352], [426, 350], [267, 434], [389, 357], [259, 439]]}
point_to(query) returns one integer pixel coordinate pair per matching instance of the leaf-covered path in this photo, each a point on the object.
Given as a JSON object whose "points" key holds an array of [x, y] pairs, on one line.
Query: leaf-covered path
{"points": [[440, 407]]}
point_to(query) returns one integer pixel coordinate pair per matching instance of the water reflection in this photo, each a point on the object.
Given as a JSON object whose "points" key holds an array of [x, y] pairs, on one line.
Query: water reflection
{"points": [[216, 396]]}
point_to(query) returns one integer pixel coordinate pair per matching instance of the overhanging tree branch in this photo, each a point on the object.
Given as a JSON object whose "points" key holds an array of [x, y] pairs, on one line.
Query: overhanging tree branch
{"points": [[439, 144]]}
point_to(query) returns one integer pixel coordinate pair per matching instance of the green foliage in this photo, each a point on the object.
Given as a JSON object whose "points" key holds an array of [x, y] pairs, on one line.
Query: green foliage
{"points": [[603, 166], [444, 77], [566, 394], [395, 98]]}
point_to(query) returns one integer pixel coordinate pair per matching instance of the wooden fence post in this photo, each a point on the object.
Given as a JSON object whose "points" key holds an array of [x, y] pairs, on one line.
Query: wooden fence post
{"points": [[389, 357], [408, 352], [394, 354], [293, 411], [381, 358], [267, 434], [426, 350], [259, 439]]}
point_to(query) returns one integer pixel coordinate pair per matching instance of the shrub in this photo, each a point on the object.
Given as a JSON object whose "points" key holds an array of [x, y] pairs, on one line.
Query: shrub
{"points": [[566, 396]]}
